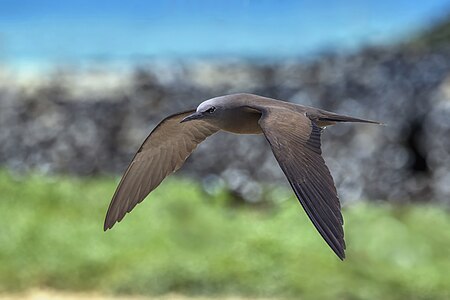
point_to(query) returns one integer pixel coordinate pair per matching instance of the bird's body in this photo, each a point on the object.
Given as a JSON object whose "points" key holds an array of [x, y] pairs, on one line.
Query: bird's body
{"points": [[292, 130], [241, 116]]}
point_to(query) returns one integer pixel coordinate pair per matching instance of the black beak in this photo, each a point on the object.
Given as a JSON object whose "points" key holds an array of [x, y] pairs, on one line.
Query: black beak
{"points": [[194, 116]]}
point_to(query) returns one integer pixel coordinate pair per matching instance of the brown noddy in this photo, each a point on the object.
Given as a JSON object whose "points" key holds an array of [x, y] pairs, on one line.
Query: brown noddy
{"points": [[292, 130]]}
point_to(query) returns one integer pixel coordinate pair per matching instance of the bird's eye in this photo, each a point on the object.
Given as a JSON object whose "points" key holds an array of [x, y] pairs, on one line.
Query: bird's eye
{"points": [[211, 110]]}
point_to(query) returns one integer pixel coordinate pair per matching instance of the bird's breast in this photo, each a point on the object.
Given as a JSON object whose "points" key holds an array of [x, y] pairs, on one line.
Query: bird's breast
{"points": [[242, 122]]}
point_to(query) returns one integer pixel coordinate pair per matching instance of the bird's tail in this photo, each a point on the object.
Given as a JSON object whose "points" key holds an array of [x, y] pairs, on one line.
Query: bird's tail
{"points": [[330, 117]]}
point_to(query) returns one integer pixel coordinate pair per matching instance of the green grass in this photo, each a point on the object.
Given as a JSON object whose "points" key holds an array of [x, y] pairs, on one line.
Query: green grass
{"points": [[182, 240]]}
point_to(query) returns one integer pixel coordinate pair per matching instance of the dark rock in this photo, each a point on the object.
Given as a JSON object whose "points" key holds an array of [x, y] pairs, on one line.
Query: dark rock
{"points": [[55, 129]]}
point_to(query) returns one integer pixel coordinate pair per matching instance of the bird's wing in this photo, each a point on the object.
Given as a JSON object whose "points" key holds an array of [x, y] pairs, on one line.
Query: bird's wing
{"points": [[295, 142], [163, 152]]}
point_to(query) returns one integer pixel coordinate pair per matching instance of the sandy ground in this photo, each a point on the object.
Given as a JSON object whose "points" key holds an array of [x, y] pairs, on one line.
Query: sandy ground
{"points": [[56, 295]]}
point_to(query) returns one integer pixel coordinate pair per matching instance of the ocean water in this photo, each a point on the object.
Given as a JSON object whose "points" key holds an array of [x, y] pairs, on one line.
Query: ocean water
{"points": [[36, 34]]}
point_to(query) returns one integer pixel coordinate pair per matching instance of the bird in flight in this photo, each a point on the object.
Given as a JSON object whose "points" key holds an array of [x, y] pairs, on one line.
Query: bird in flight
{"points": [[293, 132]]}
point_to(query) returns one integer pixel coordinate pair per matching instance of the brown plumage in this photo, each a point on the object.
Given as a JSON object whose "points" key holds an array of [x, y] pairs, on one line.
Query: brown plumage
{"points": [[293, 132]]}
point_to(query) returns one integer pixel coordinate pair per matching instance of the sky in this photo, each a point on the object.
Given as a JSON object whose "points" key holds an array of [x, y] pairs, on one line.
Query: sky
{"points": [[59, 31]]}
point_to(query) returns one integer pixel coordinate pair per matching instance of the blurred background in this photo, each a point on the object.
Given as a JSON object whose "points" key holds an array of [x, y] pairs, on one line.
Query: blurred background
{"points": [[82, 83]]}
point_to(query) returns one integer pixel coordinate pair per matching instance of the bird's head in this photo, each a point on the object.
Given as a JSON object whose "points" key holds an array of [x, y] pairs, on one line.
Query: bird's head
{"points": [[220, 110], [209, 109]]}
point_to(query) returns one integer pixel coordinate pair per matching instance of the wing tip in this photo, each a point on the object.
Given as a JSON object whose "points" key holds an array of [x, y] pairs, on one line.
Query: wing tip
{"points": [[339, 249], [341, 254], [108, 225], [109, 222]]}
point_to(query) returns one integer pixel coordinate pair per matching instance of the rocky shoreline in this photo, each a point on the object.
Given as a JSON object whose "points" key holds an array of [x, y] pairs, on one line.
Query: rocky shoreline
{"points": [[91, 121]]}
